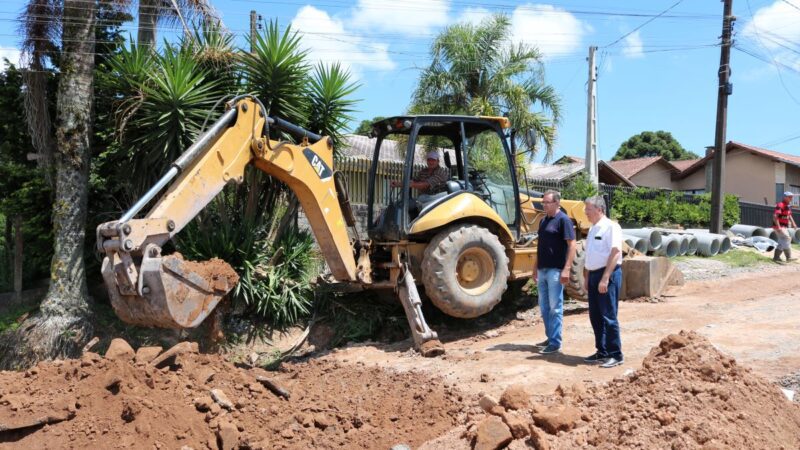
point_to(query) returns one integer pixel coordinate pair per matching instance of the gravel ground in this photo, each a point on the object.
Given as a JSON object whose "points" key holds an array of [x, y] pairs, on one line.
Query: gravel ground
{"points": [[699, 268]]}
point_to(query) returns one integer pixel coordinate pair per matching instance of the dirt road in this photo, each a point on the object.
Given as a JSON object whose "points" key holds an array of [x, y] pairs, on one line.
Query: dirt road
{"points": [[751, 316]]}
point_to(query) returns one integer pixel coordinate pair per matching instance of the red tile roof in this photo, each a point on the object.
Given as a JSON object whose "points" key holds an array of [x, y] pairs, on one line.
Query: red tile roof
{"points": [[684, 163], [732, 145], [630, 167]]}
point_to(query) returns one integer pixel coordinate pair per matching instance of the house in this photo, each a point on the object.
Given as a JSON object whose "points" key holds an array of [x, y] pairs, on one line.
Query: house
{"points": [[754, 174], [568, 167], [655, 172]]}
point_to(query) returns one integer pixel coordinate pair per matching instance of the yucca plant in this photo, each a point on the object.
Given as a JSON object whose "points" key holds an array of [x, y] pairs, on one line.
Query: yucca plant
{"points": [[331, 104]]}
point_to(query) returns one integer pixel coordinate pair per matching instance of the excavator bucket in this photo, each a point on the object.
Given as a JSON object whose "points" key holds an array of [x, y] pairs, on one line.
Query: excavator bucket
{"points": [[170, 292]]}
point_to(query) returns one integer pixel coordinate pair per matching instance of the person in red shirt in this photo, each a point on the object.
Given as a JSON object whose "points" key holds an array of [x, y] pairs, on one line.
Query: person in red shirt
{"points": [[781, 220]]}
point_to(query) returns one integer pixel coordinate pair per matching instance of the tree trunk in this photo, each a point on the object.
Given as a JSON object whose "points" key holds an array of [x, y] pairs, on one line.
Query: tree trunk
{"points": [[148, 20], [62, 325], [18, 257], [9, 252]]}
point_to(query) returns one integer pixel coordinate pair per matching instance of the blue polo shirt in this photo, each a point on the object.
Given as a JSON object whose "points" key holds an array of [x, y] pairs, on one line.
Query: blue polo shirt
{"points": [[552, 246]]}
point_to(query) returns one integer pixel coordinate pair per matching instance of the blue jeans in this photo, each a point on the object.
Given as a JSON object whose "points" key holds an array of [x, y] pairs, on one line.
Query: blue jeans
{"points": [[551, 301], [603, 313]]}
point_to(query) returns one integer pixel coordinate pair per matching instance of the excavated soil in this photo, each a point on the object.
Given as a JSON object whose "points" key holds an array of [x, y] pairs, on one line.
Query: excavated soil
{"points": [[200, 401], [687, 395], [212, 270]]}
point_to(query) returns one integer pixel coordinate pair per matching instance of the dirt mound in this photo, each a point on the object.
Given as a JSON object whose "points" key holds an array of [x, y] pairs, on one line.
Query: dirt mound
{"points": [[201, 401], [213, 270], [687, 395]]}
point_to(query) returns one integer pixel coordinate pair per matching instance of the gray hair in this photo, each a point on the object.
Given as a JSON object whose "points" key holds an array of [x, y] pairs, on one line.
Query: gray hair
{"points": [[555, 194], [598, 202]]}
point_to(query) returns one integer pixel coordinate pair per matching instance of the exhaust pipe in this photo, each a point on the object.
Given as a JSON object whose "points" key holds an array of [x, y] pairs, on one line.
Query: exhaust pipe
{"points": [[652, 237], [641, 245]]}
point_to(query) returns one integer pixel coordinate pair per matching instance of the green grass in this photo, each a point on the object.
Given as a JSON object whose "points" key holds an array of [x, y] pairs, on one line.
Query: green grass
{"points": [[9, 321], [741, 258]]}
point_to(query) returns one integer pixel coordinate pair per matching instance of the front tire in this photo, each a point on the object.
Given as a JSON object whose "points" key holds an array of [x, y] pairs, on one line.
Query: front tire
{"points": [[465, 271], [574, 288]]}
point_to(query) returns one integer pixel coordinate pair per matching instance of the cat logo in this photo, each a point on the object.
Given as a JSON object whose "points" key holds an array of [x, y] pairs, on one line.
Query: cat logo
{"points": [[323, 171]]}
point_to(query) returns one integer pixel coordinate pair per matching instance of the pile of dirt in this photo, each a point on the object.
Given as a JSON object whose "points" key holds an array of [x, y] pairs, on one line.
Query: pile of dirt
{"points": [[686, 395], [182, 399], [216, 271]]}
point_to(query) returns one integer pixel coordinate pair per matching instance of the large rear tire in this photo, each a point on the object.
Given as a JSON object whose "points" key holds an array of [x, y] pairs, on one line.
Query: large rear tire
{"points": [[574, 288], [465, 271]]}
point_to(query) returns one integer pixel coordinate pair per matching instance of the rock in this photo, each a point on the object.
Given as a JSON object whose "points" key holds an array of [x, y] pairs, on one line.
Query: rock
{"points": [[485, 378], [492, 434], [221, 399], [558, 419], [146, 354], [517, 425], [228, 436], [537, 439], [400, 447], [203, 404], [487, 402], [322, 421], [515, 397], [119, 350], [497, 411], [168, 357]]}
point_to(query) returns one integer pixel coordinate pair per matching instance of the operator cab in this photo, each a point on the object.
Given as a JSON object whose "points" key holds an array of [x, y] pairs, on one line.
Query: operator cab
{"points": [[475, 152]]}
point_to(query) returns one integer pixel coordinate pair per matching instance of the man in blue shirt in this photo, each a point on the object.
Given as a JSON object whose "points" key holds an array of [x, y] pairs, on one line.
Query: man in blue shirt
{"points": [[555, 250]]}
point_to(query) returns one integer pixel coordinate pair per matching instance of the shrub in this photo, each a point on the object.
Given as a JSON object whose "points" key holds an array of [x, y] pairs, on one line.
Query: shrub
{"points": [[656, 208]]}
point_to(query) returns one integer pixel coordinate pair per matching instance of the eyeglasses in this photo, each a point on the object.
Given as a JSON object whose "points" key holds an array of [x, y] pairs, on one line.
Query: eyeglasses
{"points": [[547, 202]]}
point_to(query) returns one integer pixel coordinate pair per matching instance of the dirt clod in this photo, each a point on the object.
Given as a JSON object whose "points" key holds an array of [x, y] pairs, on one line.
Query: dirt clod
{"points": [[515, 397], [222, 400], [492, 434], [168, 358], [553, 420], [487, 402], [145, 355], [119, 349]]}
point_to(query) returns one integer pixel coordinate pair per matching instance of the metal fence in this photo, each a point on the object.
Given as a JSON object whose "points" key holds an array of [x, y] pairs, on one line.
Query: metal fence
{"points": [[759, 215]]}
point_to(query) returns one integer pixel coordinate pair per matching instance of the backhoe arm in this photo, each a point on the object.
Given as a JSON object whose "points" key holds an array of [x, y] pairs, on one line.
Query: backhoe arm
{"points": [[149, 289]]}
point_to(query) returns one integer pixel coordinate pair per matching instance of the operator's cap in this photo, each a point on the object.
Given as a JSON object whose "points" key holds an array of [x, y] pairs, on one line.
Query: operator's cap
{"points": [[432, 155], [788, 194]]}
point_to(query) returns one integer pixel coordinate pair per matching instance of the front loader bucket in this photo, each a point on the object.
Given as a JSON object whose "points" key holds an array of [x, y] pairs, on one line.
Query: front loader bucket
{"points": [[171, 292]]}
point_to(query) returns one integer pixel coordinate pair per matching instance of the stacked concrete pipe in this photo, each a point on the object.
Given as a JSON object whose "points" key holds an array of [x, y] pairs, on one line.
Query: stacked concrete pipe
{"points": [[670, 246], [691, 241], [652, 237], [709, 244], [750, 231], [683, 244], [795, 235], [641, 245]]}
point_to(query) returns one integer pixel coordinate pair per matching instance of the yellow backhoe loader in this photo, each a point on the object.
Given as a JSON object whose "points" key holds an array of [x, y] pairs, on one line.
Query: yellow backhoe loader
{"points": [[465, 244]]}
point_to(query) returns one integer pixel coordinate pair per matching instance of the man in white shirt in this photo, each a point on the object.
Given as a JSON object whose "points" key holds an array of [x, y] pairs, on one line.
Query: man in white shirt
{"points": [[603, 278]]}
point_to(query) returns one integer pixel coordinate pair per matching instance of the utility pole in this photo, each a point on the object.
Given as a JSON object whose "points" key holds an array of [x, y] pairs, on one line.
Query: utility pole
{"points": [[591, 121], [723, 91], [253, 28]]}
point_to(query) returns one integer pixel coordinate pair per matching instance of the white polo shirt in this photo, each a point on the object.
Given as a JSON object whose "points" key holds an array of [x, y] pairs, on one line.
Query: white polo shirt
{"points": [[603, 236]]}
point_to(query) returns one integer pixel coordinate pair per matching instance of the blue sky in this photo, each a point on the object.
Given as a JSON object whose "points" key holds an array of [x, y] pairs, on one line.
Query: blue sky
{"points": [[660, 77]]}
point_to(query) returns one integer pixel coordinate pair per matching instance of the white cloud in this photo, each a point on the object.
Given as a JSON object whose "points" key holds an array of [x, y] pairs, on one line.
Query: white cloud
{"points": [[328, 41], [775, 27], [474, 15], [406, 17], [11, 53], [633, 46], [554, 31]]}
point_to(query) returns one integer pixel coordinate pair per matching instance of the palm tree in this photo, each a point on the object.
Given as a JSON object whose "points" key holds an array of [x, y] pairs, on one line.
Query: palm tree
{"points": [[476, 70], [151, 12], [62, 325]]}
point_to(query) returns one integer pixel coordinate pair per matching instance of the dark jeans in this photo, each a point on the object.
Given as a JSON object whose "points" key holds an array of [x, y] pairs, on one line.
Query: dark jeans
{"points": [[603, 313]]}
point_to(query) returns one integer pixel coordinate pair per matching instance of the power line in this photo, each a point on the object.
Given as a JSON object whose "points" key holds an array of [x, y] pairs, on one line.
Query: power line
{"points": [[645, 23]]}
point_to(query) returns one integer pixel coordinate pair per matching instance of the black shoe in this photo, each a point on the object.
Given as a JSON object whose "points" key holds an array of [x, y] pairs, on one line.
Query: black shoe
{"points": [[597, 358], [611, 362], [550, 349], [543, 344]]}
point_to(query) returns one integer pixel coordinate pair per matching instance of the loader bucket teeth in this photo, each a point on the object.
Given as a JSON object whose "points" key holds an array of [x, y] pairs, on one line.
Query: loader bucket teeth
{"points": [[172, 292]]}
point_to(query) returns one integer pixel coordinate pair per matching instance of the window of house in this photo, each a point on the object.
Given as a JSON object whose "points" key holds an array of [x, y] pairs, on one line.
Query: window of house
{"points": [[796, 198], [779, 190]]}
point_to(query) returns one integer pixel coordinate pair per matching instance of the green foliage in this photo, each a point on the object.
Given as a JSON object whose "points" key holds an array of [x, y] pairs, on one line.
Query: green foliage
{"points": [[579, 188], [649, 143], [10, 319], [365, 127], [646, 207], [361, 317], [330, 103], [475, 71]]}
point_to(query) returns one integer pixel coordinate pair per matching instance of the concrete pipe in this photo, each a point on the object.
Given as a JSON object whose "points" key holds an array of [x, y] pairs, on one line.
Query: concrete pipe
{"points": [[670, 246], [708, 244], [772, 234], [794, 233], [749, 231], [638, 243], [683, 244], [724, 244], [652, 237], [692, 242]]}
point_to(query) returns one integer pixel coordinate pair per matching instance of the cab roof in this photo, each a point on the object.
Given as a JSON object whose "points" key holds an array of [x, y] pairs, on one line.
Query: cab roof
{"points": [[439, 125]]}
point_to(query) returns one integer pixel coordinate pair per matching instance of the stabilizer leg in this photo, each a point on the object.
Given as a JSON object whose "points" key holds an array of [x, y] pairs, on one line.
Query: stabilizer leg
{"points": [[426, 340]]}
